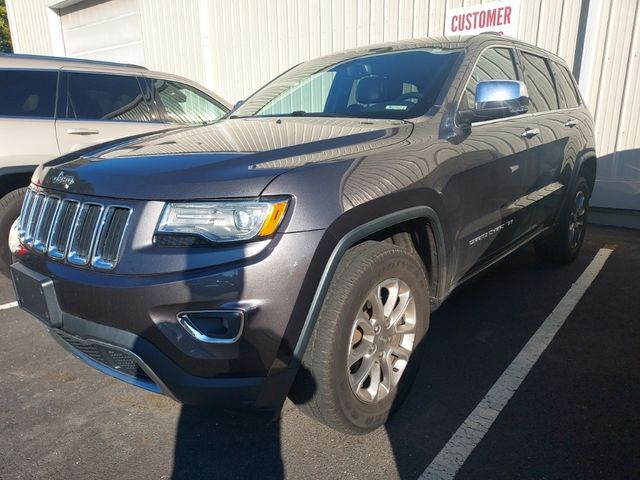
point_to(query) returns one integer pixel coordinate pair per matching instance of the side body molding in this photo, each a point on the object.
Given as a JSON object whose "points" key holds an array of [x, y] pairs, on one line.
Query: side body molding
{"points": [[349, 240]]}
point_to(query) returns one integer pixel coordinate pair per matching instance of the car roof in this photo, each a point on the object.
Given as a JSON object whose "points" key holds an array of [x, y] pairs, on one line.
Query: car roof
{"points": [[44, 62], [47, 62], [449, 42]]}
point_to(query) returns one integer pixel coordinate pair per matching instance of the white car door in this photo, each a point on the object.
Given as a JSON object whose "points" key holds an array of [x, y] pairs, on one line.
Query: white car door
{"points": [[99, 107], [27, 128]]}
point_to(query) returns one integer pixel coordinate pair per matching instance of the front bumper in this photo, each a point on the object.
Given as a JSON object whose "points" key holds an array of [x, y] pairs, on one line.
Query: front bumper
{"points": [[127, 326], [120, 354]]}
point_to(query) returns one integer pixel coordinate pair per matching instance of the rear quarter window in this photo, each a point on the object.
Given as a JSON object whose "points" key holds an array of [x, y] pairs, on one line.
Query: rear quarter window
{"points": [[28, 94], [540, 84], [566, 87]]}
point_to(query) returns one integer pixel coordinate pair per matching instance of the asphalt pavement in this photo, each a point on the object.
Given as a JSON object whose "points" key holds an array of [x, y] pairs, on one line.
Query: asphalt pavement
{"points": [[575, 414]]}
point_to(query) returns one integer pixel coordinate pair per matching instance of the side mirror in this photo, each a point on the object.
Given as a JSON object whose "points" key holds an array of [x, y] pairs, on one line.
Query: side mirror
{"points": [[499, 99], [238, 104]]}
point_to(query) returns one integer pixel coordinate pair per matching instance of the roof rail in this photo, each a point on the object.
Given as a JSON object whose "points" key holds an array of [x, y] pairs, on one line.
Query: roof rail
{"points": [[72, 60]]}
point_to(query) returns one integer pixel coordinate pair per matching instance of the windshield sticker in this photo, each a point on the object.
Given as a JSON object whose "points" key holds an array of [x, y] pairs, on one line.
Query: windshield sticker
{"points": [[396, 107]]}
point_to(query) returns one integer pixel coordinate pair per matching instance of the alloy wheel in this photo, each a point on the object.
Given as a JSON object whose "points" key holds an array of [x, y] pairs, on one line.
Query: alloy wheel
{"points": [[576, 219], [382, 340]]}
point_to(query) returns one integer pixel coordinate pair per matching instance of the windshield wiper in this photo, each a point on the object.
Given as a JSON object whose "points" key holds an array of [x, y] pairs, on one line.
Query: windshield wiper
{"points": [[297, 113], [302, 113]]}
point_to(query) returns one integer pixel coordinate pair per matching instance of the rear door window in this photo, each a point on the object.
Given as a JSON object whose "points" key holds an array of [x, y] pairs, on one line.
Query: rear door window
{"points": [[494, 64], [181, 103], [89, 96], [540, 84], [29, 94], [566, 90]]}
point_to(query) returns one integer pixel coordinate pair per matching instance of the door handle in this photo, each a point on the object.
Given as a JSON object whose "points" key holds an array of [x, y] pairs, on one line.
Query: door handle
{"points": [[82, 131], [570, 123], [530, 132]]}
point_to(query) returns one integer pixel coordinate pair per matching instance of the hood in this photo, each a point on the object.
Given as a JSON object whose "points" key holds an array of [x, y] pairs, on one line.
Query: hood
{"points": [[232, 158]]}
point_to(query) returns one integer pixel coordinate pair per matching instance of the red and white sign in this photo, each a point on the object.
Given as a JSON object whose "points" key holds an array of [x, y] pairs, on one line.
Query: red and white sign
{"points": [[501, 16]]}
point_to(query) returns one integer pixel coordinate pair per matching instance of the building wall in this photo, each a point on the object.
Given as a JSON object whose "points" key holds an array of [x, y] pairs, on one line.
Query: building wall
{"points": [[611, 86], [236, 46], [88, 31], [173, 40], [248, 42], [28, 21]]}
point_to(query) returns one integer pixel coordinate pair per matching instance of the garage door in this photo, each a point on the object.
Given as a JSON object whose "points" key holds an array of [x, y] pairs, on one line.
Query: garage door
{"points": [[103, 30]]}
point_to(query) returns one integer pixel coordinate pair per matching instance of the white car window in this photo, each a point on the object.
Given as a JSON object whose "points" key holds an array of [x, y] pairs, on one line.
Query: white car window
{"points": [[184, 104], [104, 97], [30, 94]]}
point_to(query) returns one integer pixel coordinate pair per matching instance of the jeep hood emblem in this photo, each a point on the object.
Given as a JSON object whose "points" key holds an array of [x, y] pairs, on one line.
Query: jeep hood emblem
{"points": [[62, 179]]}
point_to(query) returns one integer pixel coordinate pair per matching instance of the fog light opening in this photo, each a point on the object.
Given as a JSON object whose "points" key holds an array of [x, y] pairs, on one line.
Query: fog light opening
{"points": [[213, 326]]}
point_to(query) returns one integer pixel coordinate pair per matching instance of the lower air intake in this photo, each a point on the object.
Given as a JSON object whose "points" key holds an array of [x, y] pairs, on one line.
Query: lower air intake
{"points": [[109, 357]]}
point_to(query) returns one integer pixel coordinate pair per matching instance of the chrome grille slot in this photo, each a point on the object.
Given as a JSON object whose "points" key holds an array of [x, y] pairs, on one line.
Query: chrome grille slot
{"points": [[41, 235], [110, 238], [84, 234], [64, 220], [24, 215], [32, 218]]}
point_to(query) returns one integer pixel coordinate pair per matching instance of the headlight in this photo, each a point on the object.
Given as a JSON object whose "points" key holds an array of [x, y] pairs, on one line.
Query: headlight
{"points": [[224, 221]]}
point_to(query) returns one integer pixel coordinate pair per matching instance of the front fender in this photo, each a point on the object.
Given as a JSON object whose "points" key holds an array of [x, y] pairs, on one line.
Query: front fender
{"points": [[350, 238]]}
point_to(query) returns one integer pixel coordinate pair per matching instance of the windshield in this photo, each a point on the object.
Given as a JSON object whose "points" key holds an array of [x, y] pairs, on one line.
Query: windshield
{"points": [[394, 85]]}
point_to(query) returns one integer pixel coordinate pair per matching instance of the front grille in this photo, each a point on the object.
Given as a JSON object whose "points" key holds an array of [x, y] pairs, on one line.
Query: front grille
{"points": [[83, 234], [107, 356], [45, 222], [61, 229], [31, 219], [110, 238]]}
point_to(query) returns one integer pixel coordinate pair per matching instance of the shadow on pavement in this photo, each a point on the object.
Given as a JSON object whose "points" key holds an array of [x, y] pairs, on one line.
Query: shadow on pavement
{"points": [[218, 444], [471, 340]]}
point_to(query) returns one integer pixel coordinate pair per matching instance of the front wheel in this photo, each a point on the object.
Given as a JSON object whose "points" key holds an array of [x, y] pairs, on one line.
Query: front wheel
{"points": [[564, 244], [363, 353], [10, 206]]}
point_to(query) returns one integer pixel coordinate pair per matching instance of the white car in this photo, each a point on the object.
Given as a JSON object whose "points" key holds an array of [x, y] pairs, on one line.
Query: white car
{"points": [[52, 106]]}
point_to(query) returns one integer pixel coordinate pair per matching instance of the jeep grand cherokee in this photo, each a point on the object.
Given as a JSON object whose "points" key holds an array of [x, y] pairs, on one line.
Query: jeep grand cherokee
{"points": [[297, 247]]}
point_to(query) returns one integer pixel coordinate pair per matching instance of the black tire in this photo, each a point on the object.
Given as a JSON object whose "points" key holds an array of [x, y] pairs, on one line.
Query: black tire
{"points": [[562, 246], [10, 206], [322, 389]]}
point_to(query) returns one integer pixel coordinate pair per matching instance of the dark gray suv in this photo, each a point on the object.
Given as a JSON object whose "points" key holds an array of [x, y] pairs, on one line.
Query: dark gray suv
{"points": [[297, 246]]}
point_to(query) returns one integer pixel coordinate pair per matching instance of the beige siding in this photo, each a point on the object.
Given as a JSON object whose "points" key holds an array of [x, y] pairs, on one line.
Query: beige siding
{"points": [[29, 26], [274, 35], [612, 93], [172, 37], [617, 64], [629, 131], [236, 46]]}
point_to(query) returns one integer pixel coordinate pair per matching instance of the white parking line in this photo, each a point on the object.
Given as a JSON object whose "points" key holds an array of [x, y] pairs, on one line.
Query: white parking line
{"points": [[453, 455], [7, 306]]}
